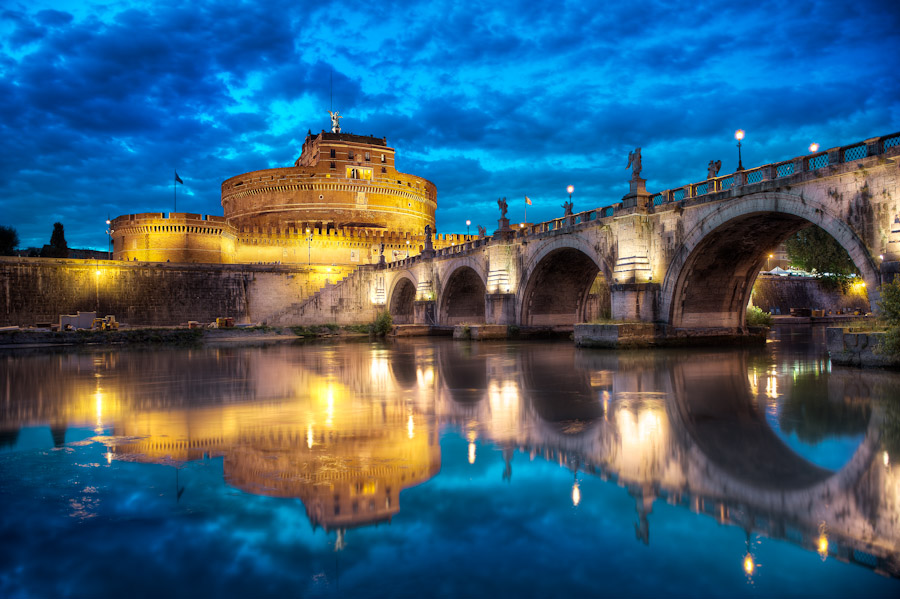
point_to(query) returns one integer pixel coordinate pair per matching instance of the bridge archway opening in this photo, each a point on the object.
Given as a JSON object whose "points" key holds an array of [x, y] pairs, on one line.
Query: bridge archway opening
{"points": [[565, 287], [715, 282], [401, 304], [463, 298]]}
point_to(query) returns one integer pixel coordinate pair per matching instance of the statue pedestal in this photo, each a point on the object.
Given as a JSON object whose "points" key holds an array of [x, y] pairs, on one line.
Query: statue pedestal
{"points": [[504, 225], [637, 194]]}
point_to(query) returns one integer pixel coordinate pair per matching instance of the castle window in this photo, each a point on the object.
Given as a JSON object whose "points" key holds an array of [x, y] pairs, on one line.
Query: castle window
{"points": [[332, 153], [333, 165], [350, 155], [382, 158], [383, 170], [368, 157]]}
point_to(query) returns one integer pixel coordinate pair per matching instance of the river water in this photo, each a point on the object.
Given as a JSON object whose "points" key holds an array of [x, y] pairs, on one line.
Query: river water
{"points": [[432, 467]]}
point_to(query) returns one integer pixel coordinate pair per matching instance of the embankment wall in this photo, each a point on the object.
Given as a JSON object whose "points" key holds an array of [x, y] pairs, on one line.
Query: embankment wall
{"points": [[38, 290]]}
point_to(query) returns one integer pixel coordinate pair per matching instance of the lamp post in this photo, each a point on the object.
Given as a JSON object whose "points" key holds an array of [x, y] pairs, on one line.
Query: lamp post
{"points": [[769, 262], [468, 222], [109, 234], [739, 135], [570, 189]]}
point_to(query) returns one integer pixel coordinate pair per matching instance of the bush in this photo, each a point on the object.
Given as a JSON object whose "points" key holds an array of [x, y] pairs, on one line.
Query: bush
{"points": [[890, 316], [756, 317], [383, 323]]}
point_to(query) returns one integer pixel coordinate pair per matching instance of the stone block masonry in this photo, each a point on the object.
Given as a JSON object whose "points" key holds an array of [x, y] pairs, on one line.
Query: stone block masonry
{"points": [[35, 290]]}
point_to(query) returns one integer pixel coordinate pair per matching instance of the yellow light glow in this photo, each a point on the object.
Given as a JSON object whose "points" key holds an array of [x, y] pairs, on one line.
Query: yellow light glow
{"points": [[749, 566], [887, 460], [570, 189], [814, 147], [97, 272], [424, 378], [410, 427], [739, 134], [471, 453], [109, 457], [822, 548], [576, 494], [98, 396], [309, 437], [772, 387]]}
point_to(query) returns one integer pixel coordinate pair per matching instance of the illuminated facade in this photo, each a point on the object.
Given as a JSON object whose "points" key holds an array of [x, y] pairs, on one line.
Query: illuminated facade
{"points": [[334, 208]]}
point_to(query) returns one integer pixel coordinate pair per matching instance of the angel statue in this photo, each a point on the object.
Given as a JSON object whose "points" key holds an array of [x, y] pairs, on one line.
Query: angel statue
{"points": [[567, 206], [335, 121], [713, 168], [634, 161], [481, 231], [501, 203]]}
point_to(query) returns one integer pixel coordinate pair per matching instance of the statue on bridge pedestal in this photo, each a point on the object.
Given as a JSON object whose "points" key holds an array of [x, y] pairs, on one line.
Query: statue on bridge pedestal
{"points": [[501, 203], [481, 231], [634, 162], [567, 206], [713, 168]]}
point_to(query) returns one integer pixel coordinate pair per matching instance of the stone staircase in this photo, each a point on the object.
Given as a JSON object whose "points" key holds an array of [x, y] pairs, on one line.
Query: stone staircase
{"points": [[344, 302]]}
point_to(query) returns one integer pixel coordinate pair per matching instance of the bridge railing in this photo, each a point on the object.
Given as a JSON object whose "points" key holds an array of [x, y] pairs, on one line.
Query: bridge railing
{"points": [[777, 170]]}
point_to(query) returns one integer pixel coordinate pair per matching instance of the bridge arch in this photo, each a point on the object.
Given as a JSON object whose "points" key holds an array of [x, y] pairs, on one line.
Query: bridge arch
{"points": [[565, 282], [401, 298], [709, 279], [462, 297]]}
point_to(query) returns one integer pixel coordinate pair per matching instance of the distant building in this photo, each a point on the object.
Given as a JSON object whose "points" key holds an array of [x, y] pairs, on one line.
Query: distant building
{"points": [[333, 210]]}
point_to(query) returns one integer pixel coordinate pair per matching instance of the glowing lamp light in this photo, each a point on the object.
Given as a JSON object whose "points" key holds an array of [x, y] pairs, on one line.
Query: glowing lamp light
{"points": [[814, 147], [468, 222], [576, 494], [97, 272], [570, 189], [739, 134], [822, 547], [749, 566], [471, 453]]}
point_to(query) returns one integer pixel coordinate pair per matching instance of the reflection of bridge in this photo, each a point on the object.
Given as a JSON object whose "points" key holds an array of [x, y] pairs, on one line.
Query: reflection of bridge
{"points": [[686, 257], [690, 430], [346, 433]]}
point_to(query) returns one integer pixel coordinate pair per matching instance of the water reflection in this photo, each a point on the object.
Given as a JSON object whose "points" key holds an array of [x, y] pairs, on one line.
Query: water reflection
{"points": [[346, 428]]}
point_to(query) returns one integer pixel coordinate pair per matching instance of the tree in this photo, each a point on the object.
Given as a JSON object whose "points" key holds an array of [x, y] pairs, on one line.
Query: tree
{"points": [[814, 250], [58, 247], [9, 239]]}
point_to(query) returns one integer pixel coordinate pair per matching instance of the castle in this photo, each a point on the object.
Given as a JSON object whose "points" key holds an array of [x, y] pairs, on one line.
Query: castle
{"points": [[341, 205]]}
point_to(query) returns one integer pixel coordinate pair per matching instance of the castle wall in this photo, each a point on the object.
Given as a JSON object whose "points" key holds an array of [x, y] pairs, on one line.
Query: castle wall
{"points": [[34, 290]]}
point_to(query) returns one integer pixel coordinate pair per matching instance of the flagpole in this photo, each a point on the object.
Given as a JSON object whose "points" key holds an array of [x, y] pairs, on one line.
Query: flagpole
{"points": [[526, 209], [174, 191]]}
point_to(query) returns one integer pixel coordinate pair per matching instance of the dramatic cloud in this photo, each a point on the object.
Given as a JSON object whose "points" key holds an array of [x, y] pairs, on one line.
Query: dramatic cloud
{"points": [[100, 102]]}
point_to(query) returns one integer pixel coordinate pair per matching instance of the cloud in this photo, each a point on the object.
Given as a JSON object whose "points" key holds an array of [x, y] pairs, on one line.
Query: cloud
{"points": [[98, 104]]}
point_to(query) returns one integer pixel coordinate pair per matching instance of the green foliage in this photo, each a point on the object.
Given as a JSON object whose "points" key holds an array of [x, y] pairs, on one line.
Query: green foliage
{"points": [[757, 317], [58, 247], [359, 328], [332, 327], [890, 317], [814, 417], [814, 250], [9, 239], [383, 323]]}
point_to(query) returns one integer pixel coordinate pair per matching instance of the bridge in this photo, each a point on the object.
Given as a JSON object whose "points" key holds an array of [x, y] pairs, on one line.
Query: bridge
{"points": [[683, 258]]}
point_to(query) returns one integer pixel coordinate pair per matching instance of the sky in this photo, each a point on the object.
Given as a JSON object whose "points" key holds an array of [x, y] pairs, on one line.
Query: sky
{"points": [[100, 102]]}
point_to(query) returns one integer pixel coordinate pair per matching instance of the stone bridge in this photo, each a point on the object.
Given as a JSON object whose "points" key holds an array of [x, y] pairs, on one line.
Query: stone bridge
{"points": [[685, 258]]}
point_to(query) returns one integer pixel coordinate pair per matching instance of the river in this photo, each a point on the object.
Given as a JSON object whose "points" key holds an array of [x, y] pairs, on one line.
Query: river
{"points": [[433, 467]]}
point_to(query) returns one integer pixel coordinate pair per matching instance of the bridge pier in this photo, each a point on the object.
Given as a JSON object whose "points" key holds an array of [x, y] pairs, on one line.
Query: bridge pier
{"points": [[424, 312], [500, 308], [635, 301]]}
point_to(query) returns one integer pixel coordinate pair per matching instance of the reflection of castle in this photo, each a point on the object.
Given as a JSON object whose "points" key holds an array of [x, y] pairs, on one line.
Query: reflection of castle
{"points": [[333, 209]]}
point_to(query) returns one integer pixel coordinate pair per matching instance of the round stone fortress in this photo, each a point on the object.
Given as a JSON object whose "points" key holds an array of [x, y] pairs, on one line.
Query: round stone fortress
{"points": [[339, 206]]}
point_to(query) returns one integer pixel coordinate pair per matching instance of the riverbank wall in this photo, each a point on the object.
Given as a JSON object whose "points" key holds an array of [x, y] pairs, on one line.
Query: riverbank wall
{"points": [[39, 290], [777, 295]]}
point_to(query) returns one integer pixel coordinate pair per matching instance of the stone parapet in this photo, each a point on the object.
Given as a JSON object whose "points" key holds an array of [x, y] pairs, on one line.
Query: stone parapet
{"points": [[849, 348]]}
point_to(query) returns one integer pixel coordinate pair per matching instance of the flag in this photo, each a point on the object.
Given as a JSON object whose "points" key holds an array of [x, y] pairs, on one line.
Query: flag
{"points": [[177, 178], [528, 200]]}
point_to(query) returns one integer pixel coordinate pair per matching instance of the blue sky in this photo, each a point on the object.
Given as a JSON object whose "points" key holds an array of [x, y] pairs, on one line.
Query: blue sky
{"points": [[100, 101]]}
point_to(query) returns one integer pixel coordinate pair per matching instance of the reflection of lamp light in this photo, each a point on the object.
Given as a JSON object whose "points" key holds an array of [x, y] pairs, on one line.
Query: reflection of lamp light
{"points": [[410, 427], [749, 566], [471, 453], [576, 494]]}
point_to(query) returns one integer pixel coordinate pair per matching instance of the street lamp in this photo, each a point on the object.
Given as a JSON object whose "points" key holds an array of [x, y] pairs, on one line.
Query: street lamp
{"points": [[570, 189], [739, 135], [468, 223], [308, 248], [109, 234], [769, 262], [813, 148]]}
